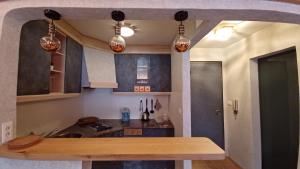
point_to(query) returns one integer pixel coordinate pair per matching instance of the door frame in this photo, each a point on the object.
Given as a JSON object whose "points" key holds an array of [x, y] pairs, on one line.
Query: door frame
{"points": [[255, 104], [223, 103]]}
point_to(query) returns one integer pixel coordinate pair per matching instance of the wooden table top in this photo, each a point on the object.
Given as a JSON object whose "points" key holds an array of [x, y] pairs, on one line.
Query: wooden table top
{"points": [[111, 149]]}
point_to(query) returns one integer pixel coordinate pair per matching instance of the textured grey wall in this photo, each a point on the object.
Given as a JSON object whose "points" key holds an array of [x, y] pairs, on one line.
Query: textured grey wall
{"points": [[21, 164]]}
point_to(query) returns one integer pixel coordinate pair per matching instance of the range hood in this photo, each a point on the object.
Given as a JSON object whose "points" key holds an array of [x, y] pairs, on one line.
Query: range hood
{"points": [[98, 69]]}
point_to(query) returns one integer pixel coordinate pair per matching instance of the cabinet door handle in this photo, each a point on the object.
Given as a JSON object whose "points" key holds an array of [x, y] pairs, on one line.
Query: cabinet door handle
{"points": [[218, 111]]}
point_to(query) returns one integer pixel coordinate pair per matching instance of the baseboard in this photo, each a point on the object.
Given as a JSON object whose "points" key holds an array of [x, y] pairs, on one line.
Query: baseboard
{"points": [[233, 162]]}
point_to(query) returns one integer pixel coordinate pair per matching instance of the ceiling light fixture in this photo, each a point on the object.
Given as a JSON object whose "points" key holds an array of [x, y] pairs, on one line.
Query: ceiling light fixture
{"points": [[49, 42], [127, 31], [181, 43], [117, 42], [223, 33]]}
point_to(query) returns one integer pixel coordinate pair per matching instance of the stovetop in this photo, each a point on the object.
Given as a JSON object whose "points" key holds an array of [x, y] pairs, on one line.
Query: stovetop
{"points": [[100, 126]]}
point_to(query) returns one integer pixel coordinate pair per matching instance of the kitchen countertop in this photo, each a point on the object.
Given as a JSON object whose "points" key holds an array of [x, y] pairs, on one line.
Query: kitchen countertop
{"points": [[111, 149], [116, 124]]}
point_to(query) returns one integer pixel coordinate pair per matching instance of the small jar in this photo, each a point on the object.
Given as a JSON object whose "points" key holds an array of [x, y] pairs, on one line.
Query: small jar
{"points": [[125, 114]]}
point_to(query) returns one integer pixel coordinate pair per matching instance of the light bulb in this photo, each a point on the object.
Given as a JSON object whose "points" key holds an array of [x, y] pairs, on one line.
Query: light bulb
{"points": [[182, 43], [117, 43], [50, 43]]}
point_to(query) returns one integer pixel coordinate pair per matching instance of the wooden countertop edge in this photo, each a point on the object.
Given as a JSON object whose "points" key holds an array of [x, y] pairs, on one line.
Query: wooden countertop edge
{"points": [[83, 149], [44, 97]]}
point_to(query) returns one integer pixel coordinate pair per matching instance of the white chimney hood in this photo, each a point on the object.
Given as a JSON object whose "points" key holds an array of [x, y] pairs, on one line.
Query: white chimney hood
{"points": [[98, 69]]}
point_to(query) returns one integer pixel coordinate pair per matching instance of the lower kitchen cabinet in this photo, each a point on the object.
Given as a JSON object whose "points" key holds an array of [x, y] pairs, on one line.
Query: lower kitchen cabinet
{"points": [[107, 165], [147, 132], [158, 132], [158, 164]]}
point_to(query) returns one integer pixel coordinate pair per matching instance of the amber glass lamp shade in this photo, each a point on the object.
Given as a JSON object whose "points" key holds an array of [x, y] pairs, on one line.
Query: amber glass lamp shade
{"points": [[182, 43], [117, 43], [49, 42]]}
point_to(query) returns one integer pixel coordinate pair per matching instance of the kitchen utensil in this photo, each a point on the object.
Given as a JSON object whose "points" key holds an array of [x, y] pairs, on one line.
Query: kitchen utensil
{"points": [[87, 121], [146, 114], [157, 105], [152, 111], [147, 111], [141, 106], [24, 142]]}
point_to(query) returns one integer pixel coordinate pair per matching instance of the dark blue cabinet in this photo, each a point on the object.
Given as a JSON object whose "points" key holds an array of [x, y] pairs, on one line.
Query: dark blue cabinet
{"points": [[159, 72], [34, 62], [73, 64], [147, 132], [34, 75]]}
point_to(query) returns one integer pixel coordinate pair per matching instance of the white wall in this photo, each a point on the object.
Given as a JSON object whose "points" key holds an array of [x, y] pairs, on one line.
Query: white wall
{"points": [[103, 104], [180, 110], [240, 82], [45, 116]]}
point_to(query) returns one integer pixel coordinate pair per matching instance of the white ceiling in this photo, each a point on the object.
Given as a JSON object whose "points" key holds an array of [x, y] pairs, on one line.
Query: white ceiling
{"points": [[241, 31], [149, 32]]}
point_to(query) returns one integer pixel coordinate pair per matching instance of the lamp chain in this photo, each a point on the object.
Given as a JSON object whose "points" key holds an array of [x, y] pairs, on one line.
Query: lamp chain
{"points": [[51, 29], [181, 29], [118, 29]]}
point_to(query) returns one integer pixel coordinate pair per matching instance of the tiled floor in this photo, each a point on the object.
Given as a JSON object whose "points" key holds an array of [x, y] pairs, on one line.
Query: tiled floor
{"points": [[224, 164]]}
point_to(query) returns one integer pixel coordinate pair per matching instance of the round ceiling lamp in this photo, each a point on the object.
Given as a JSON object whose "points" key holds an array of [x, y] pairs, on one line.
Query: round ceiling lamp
{"points": [[224, 33], [117, 42], [49, 42], [127, 31], [181, 43]]}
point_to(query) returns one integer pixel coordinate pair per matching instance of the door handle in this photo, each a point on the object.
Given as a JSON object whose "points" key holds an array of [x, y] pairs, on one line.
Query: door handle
{"points": [[218, 111]]}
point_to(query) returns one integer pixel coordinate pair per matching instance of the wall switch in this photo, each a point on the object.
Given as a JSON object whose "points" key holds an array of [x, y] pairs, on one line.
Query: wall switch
{"points": [[7, 131], [229, 103]]}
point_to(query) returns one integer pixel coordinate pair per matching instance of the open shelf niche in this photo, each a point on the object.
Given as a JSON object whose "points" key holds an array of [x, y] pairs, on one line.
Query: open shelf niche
{"points": [[57, 67]]}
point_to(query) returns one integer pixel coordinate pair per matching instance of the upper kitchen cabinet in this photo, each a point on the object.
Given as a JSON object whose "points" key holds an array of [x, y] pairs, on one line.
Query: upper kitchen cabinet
{"points": [[143, 73], [98, 69], [73, 66], [47, 75], [34, 62]]}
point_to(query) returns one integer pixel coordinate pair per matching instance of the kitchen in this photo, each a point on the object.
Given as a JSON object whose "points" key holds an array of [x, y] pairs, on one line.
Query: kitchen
{"points": [[85, 79], [97, 102]]}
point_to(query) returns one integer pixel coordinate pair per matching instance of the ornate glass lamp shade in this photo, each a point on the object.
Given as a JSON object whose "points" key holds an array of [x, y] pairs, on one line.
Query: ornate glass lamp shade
{"points": [[117, 43], [50, 43], [182, 43]]}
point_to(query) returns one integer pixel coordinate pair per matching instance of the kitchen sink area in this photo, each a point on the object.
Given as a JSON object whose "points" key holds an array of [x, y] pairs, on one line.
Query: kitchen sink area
{"points": [[116, 128], [67, 135]]}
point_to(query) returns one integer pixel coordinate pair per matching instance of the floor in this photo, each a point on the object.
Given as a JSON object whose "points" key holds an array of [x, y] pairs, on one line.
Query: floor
{"points": [[224, 164]]}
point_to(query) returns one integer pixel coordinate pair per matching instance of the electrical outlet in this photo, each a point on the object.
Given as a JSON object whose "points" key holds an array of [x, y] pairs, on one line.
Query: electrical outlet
{"points": [[7, 131]]}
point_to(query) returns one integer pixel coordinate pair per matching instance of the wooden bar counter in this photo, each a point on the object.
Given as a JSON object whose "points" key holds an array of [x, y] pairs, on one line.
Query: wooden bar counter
{"points": [[111, 149]]}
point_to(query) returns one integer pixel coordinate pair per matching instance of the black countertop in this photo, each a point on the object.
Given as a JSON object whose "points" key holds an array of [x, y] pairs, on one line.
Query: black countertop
{"points": [[117, 125]]}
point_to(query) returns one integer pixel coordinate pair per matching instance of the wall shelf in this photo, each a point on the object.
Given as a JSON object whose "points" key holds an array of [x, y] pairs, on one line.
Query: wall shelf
{"points": [[58, 53], [56, 71], [44, 97], [142, 93], [58, 62]]}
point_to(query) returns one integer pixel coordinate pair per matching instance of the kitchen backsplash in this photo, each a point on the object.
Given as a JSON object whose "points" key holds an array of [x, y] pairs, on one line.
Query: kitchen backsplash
{"points": [[43, 117], [103, 104]]}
